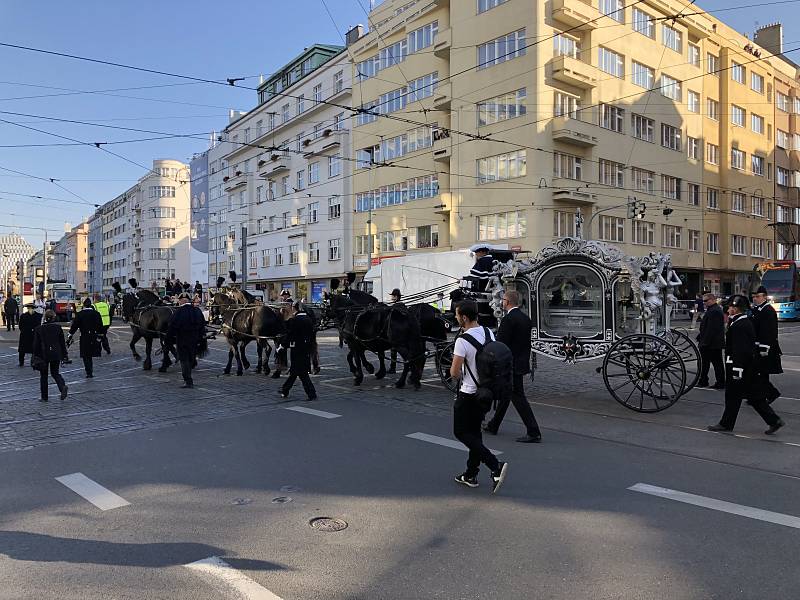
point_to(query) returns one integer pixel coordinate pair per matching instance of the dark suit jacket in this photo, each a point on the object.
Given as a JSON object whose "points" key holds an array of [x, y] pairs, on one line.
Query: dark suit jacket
{"points": [[186, 330], [515, 332], [27, 325], [712, 329], [765, 321], [740, 348], [90, 324], [299, 337], [49, 343]]}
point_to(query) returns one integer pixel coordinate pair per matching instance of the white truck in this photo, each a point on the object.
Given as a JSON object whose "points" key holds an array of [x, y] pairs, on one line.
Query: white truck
{"points": [[418, 276]]}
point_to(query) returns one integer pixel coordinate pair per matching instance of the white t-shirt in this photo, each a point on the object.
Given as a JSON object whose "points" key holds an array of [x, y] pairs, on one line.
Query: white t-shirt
{"points": [[468, 352]]}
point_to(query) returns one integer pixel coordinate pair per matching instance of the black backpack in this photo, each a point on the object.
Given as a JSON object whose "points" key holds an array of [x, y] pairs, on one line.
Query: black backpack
{"points": [[494, 363]]}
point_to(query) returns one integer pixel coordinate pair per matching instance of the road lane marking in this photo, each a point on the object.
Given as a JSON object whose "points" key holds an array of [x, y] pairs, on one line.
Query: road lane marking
{"points": [[311, 411], [232, 579], [92, 491], [435, 439], [720, 505]]}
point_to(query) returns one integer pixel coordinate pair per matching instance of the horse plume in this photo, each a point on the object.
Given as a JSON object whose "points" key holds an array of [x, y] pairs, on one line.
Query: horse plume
{"points": [[232, 275], [351, 277], [132, 282], [117, 287], [220, 282], [334, 284]]}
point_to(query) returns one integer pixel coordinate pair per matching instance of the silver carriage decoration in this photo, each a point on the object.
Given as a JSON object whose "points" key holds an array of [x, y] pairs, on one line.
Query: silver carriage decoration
{"points": [[587, 300]]}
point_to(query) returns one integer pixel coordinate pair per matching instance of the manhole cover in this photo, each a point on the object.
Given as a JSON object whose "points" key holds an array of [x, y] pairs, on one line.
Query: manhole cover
{"points": [[281, 500], [241, 501], [327, 524], [290, 488]]}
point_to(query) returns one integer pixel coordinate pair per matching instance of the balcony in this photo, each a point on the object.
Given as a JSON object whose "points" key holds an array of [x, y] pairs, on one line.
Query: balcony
{"points": [[235, 181], [443, 43], [327, 140], [576, 13], [573, 72], [572, 192], [443, 96], [442, 145], [574, 132], [277, 163]]}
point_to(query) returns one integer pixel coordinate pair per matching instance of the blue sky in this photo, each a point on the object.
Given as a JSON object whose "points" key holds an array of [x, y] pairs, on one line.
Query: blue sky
{"points": [[212, 40]]}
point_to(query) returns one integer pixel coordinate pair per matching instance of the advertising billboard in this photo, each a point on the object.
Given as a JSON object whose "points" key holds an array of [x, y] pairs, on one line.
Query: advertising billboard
{"points": [[199, 218]]}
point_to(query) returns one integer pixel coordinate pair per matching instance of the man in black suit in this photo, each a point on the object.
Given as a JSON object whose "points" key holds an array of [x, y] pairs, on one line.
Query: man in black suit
{"points": [[90, 324], [765, 321], [742, 375], [299, 338], [711, 341], [515, 332], [187, 329]]}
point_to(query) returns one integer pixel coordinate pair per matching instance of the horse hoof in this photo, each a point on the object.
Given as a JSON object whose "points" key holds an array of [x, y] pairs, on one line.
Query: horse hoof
{"points": [[276, 374], [258, 371], [226, 372], [369, 368], [239, 373], [357, 381], [162, 370], [380, 374], [147, 367], [137, 358], [400, 385]]}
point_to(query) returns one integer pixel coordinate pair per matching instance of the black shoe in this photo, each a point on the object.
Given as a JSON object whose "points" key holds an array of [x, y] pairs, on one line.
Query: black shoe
{"points": [[718, 427], [21, 364], [489, 429], [774, 428], [42, 399], [703, 384], [770, 399], [89, 376], [64, 393], [187, 386], [467, 480], [499, 477], [391, 372], [718, 386], [530, 439], [283, 394], [312, 398]]}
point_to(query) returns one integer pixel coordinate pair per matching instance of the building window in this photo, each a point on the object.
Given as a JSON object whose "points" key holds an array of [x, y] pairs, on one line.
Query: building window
{"points": [[612, 118], [502, 49], [285, 113], [643, 181], [757, 82], [693, 102], [712, 64], [738, 202], [782, 139], [162, 191], [614, 9], [163, 212], [279, 256], [364, 244], [563, 224], [671, 88], [161, 233], [737, 72], [333, 249], [712, 199], [738, 245], [694, 240], [566, 105], [644, 23], [612, 229], [484, 5], [313, 252], [694, 194], [756, 123], [565, 45], [252, 259], [294, 254], [611, 173], [758, 248], [642, 75], [611, 62], [427, 236], [643, 128], [265, 262], [334, 208], [671, 236], [287, 219], [313, 173], [737, 159], [737, 115], [312, 213], [301, 179], [758, 206], [782, 176], [712, 111], [162, 253], [502, 167], [712, 243], [712, 153], [694, 55], [567, 166], [671, 38], [670, 187], [334, 165], [505, 225], [301, 104], [421, 38], [502, 108], [393, 55], [693, 147], [671, 137], [643, 232]]}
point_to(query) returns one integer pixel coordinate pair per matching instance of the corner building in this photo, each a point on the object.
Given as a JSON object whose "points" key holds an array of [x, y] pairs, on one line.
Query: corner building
{"points": [[498, 120]]}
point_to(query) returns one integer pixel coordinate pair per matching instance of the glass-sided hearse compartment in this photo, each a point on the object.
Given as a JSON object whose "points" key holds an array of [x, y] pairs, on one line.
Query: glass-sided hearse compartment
{"points": [[570, 302]]}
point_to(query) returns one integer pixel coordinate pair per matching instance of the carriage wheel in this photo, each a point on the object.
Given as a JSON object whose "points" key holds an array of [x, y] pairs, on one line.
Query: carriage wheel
{"points": [[644, 373], [690, 354], [444, 358]]}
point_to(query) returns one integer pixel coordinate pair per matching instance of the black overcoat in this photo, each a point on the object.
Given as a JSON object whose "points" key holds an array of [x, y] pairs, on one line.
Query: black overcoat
{"points": [[740, 353], [90, 324], [299, 337], [765, 321], [712, 329], [27, 325], [49, 343], [186, 330]]}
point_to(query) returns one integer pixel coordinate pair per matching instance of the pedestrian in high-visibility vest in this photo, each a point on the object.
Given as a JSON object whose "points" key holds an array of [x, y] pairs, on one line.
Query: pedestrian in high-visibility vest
{"points": [[105, 317]]}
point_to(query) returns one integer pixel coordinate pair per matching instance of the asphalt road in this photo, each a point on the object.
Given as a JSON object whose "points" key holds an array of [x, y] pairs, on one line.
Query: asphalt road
{"points": [[225, 478]]}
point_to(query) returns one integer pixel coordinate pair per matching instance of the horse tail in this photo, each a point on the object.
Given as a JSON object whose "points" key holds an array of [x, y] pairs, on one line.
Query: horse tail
{"points": [[202, 347]]}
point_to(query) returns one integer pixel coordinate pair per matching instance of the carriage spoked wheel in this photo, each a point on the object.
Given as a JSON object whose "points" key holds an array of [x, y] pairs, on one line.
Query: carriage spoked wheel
{"points": [[444, 358], [644, 373], [690, 354]]}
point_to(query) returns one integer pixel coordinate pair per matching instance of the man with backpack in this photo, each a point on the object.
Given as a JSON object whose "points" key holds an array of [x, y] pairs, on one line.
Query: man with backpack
{"points": [[484, 367]]}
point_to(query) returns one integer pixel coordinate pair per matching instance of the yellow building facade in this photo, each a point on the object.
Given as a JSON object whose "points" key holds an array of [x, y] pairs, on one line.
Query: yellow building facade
{"points": [[498, 121]]}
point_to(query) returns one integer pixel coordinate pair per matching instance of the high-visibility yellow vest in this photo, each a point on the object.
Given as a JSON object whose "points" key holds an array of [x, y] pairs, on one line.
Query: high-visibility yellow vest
{"points": [[105, 312]]}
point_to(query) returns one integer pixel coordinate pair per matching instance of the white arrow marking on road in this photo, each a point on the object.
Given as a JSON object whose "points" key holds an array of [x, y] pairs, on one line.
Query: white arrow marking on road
{"points": [[311, 411], [720, 505], [223, 573], [435, 439], [92, 491]]}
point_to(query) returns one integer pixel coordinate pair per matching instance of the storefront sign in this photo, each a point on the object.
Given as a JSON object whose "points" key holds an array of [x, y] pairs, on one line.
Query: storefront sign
{"points": [[317, 287]]}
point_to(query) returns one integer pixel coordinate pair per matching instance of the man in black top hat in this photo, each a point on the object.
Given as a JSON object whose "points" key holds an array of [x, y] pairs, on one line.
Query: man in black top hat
{"points": [[90, 324], [765, 321], [28, 322], [395, 300], [187, 330], [299, 338], [742, 376], [482, 269]]}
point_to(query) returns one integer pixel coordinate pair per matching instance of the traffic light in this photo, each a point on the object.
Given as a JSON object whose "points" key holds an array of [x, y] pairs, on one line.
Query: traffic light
{"points": [[636, 209]]}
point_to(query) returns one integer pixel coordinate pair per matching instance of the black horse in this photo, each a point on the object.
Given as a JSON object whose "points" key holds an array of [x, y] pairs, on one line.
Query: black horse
{"points": [[149, 318]]}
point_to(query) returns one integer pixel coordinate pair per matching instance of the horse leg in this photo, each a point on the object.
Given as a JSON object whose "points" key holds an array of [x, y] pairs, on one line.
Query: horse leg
{"points": [[238, 355], [260, 352], [358, 357], [242, 347], [362, 357], [148, 349], [381, 373], [136, 337], [281, 362], [227, 369], [165, 361], [267, 354], [404, 354]]}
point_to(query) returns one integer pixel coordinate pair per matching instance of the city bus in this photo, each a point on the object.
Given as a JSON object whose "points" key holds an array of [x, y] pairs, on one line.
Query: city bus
{"points": [[780, 277]]}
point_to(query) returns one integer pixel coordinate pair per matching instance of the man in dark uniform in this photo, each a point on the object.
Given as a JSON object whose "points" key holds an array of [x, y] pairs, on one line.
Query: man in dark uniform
{"points": [[711, 341], [28, 321], [186, 332], [198, 288], [515, 332], [90, 324], [742, 376], [11, 311], [482, 269], [765, 321], [299, 338], [395, 301]]}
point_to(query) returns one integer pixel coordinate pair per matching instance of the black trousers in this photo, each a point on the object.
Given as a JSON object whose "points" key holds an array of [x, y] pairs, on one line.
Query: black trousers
{"points": [[520, 402], [467, 418], [52, 367], [88, 365], [708, 357], [735, 392], [769, 391], [11, 321], [22, 359], [304, 378], [187, 363]]}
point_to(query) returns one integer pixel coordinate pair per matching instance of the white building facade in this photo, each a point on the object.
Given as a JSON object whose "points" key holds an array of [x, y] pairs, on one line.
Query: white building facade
{"points": [[14, 251], [286, 169]]}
